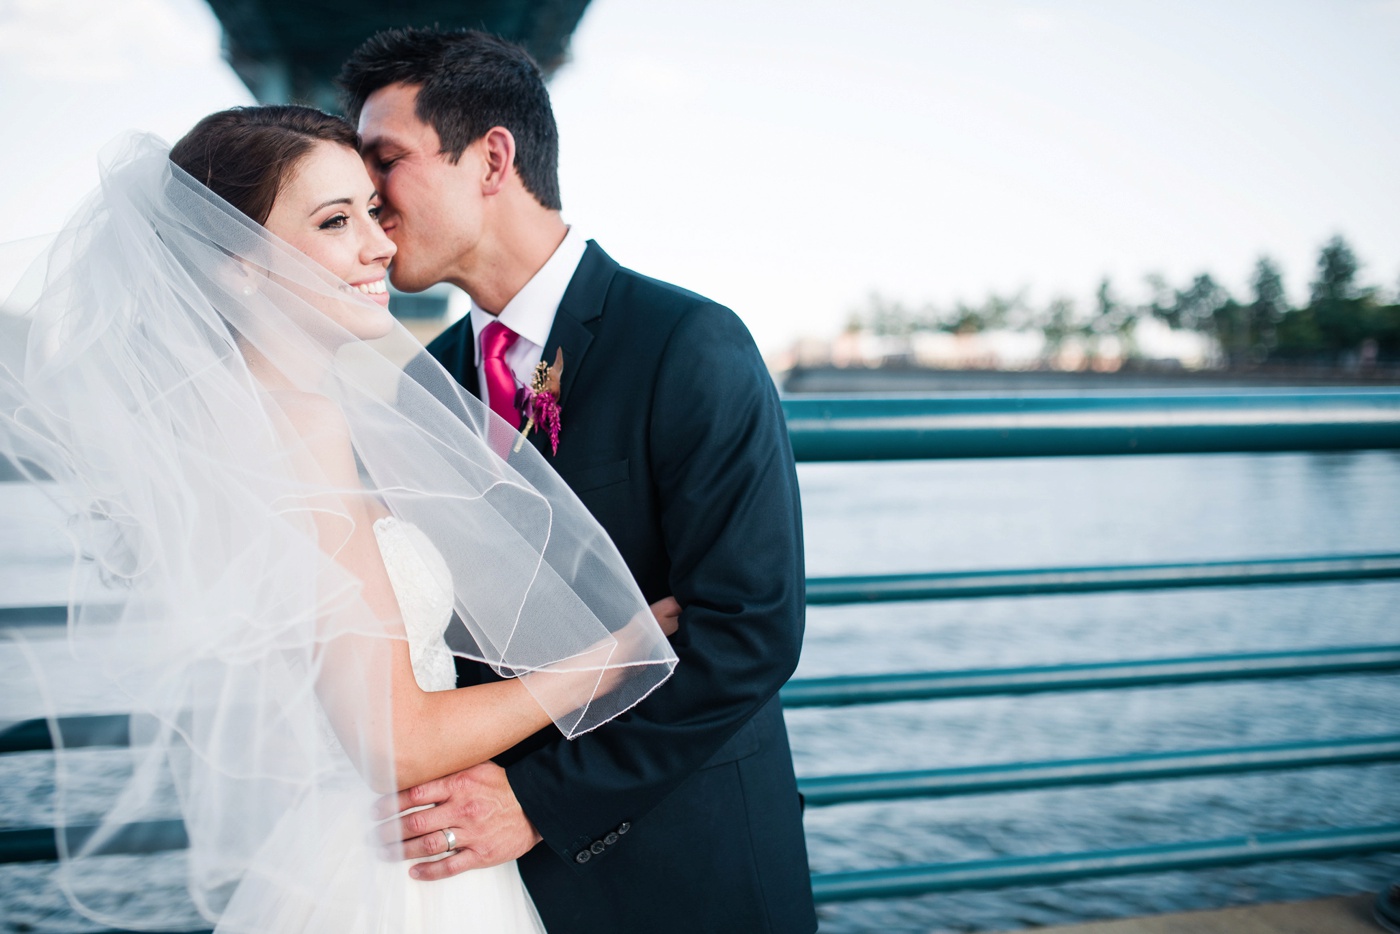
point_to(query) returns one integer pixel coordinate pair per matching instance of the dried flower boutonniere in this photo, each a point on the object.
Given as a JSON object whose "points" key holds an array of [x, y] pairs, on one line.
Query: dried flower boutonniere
{"points": [[539, 402]]}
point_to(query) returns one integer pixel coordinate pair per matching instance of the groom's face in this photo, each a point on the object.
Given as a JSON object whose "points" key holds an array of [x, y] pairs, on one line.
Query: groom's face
{"points": [[431, 208]]}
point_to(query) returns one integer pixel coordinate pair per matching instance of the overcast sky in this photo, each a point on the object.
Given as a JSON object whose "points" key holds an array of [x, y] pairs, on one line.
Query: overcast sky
{"points": [[787, 158]]}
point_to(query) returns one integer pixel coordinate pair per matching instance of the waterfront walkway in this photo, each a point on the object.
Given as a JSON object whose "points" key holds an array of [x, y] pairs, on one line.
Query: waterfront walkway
{"points": [[1347, 914]]}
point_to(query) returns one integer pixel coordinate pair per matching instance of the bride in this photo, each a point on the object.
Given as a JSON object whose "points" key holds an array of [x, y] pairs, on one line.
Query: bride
{"points": [[281, 539]]}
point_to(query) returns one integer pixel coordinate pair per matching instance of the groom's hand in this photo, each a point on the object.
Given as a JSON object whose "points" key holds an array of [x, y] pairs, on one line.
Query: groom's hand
{"points": [[668, 615], [476, 804]]}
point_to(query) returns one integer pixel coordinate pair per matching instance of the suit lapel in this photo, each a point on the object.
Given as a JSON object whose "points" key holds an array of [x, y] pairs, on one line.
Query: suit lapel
{"points": [[580, 307], [466, 359], [572, 331]]}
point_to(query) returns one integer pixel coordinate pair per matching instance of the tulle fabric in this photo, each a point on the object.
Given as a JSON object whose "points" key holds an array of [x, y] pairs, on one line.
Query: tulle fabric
{"points": [[491, 901], [208, 595], [346, 888]]}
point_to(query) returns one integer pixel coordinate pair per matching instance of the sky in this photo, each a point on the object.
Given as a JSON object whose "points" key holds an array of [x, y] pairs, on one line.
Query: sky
{"points": [[790, 157]]}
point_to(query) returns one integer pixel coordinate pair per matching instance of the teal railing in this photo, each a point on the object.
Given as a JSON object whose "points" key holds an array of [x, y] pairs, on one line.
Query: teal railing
{"points": [[876, 428]]}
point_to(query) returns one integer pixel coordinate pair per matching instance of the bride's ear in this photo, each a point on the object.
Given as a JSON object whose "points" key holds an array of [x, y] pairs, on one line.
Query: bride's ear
{"points": [[247, 285], [498, 159], [235, 276]]}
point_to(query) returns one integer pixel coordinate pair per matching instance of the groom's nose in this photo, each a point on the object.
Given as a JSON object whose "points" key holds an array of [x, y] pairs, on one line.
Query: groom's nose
{"points": [[388, 217]]}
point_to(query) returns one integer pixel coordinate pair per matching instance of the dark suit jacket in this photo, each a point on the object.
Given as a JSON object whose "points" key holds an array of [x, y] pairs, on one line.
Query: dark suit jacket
{"points": [[682, 815]]}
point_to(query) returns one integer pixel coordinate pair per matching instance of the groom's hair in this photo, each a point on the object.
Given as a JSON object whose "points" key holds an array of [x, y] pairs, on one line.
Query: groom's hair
{"points": [[468, 82]]}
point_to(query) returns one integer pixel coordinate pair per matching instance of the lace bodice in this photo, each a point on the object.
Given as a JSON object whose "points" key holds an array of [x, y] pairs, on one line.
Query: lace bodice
{"points": [[423, 586]]}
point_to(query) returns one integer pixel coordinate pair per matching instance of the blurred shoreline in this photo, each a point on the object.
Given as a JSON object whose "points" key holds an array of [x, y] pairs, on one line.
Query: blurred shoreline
{"points": [[914, 379]]}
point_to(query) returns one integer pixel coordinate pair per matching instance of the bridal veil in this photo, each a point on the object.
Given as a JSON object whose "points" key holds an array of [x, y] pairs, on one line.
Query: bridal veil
{"points": [[201, 597]]}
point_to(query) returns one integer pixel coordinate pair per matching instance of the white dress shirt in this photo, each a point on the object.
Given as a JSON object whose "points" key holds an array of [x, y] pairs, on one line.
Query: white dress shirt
{"points": [[531, 312]]}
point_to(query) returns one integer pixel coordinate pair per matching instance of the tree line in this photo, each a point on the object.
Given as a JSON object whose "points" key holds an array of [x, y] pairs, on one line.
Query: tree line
{"points": [[1344, 322]]}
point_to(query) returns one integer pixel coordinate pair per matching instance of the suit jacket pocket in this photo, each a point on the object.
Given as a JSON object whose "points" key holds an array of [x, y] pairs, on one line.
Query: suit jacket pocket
{"points": [[591, 478]]}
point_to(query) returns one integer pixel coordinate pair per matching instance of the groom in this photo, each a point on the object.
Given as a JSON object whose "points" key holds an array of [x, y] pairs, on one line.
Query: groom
{"points": [[682, 815]]}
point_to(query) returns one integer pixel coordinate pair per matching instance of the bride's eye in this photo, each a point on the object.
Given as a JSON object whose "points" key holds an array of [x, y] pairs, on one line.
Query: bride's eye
{"points": [[374, 212], [335, 223]]}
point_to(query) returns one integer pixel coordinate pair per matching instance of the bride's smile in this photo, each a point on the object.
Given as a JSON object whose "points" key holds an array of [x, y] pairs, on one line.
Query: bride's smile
{"points": [[329, 210], [376, 290]]}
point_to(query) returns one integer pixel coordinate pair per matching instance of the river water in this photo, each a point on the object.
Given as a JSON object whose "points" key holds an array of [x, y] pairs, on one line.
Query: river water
{"points": [[903, 517], [896, 517]]}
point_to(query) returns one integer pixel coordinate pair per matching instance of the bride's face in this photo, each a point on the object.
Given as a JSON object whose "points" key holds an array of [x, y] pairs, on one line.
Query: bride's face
{"points": [[329, 210]]}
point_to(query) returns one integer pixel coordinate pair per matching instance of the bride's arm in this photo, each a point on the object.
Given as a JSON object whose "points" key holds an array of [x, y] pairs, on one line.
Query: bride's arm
{"points": [[366, 682]]}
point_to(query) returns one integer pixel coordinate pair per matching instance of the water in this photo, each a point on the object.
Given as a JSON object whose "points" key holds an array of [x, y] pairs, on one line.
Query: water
{"points": [[886, 518], [889, 518]]}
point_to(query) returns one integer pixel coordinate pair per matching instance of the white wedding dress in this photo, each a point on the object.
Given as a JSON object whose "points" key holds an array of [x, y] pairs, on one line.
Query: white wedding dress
{"points": [[351, 890]]}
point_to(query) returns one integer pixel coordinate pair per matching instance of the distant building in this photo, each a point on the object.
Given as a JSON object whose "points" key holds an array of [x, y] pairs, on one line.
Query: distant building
{"points": [[1153, 343]]}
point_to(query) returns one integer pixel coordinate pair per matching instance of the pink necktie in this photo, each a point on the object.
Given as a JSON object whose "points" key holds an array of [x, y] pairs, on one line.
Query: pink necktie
{"points": [[496, 339]]}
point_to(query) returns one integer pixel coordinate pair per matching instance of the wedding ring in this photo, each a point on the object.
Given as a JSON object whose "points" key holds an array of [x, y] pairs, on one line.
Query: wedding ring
{"points": [[451, 838]]}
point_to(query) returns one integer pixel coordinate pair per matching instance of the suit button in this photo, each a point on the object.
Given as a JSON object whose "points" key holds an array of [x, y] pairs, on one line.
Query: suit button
{"points": [[623, 827], [583, 857], [597, 846], [610, 839]]}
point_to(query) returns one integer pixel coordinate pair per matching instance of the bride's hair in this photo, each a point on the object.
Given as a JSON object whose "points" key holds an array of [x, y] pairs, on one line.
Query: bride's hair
{"points": [[246, 154]]}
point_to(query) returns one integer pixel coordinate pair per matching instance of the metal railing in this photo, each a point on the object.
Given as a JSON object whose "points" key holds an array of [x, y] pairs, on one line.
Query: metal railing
{"points": [[881, 428], [876, 428]]}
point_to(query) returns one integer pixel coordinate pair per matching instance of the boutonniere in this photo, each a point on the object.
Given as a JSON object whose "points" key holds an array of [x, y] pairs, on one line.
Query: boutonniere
{"points": [[539, 401]]}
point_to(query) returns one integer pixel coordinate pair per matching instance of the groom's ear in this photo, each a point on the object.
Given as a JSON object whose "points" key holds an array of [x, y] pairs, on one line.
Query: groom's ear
{"points": [[498, 159]]}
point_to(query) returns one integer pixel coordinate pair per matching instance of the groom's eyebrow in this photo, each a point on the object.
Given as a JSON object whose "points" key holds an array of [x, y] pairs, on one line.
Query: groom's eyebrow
{"points": [[327, 204]]}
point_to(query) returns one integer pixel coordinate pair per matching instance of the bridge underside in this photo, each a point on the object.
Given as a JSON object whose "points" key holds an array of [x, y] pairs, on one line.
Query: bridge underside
{"points": [[291, 51]]}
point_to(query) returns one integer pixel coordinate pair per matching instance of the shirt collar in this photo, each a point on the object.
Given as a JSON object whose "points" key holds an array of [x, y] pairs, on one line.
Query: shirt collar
{"points": [[531, 312]]}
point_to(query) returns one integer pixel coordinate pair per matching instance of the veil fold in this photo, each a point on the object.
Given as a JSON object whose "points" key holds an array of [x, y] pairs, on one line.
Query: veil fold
{"points": [[206, 582]]}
